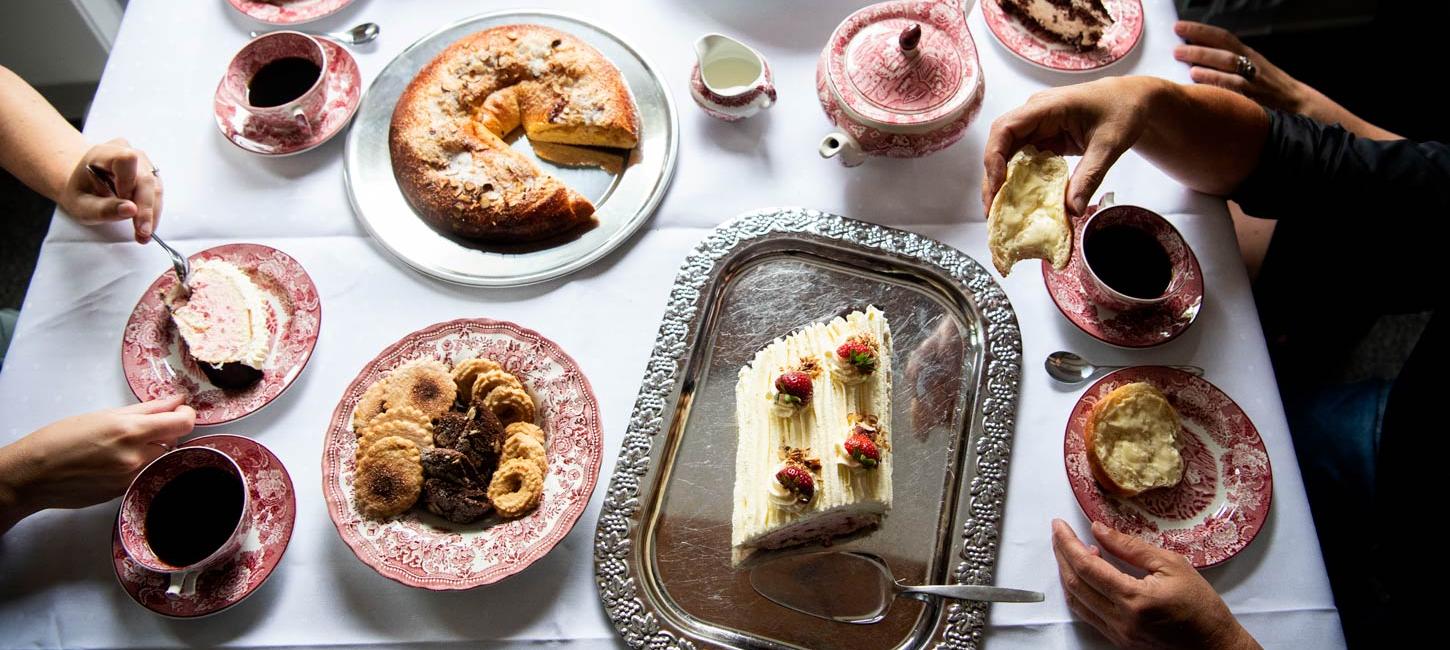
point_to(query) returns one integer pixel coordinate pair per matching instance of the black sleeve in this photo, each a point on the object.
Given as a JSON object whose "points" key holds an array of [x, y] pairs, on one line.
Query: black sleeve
{"points": [[1367, 215], [1310, 170]]}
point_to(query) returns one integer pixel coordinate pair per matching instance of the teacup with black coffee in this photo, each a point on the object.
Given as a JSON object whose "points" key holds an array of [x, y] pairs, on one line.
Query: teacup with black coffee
{"points": [[187, 511], [1129, 257], [278, 81]]}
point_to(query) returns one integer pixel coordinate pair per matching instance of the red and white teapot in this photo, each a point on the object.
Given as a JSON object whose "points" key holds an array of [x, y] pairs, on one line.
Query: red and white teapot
{"points": [[899, 79]]}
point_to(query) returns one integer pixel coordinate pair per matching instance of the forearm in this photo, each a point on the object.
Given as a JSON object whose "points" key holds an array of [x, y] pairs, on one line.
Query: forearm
{"points": [[37, 145], [1206, 137], [13, 505], [1323, 109]]}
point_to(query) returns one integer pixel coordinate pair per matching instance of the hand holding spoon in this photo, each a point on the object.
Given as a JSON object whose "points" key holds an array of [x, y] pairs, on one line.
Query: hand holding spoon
{"points": [[179, 262], [1070, 368], [856, 587]]}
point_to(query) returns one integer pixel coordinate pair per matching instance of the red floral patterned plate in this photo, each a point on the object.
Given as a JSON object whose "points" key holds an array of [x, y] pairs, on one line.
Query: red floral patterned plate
{"points": [[288, 12], [1040, 50], [420, 550], [1223, 499], [151, 350], [274, 512], [344, 94], [1142, 328]]}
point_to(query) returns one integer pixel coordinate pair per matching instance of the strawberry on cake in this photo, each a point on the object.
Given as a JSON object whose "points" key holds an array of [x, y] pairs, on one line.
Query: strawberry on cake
{"points": [[223, 321], [814, 417]]}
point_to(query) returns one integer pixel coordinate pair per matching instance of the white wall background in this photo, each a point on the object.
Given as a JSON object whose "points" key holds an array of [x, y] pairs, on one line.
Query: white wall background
{"points": [[59, 46]]}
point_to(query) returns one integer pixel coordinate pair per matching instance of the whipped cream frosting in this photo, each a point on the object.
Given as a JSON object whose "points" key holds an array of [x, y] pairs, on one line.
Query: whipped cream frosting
{"points": [[224, 318], [764, 511]]}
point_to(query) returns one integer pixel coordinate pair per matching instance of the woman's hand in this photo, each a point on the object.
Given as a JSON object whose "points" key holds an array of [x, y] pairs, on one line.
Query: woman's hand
{"points": [[1098, 120], [1213, 52], [87, 459], [1170, 607], [138, 189]]}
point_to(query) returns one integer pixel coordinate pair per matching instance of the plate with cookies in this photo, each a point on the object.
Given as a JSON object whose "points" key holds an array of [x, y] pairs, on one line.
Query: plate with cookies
{"points": [[461, 454], [1165, 455]]}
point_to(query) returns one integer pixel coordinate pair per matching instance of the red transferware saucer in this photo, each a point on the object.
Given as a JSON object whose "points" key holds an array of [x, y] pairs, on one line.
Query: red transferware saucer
{"points": [[1142, 328], [288, 12], [151, 353], [1223, 500], [274, 512], [344, 93], [421, 550], [1040, 50]]}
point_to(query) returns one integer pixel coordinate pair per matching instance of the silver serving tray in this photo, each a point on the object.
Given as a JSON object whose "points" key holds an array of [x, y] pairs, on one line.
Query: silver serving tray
{"points": [[624, 201], [662, 547]]}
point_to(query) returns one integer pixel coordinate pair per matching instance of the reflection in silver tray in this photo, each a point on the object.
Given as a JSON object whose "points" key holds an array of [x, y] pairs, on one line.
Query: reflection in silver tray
{"points": [[662, 545], [624, 200]]}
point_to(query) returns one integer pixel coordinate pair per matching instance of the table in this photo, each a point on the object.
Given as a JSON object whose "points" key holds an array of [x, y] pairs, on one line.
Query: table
{"points": [[57, 587]]}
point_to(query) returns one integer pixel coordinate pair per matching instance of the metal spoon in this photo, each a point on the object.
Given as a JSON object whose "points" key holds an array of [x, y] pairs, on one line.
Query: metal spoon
{"points": [[179, 262], [1070, 368], [856, 587], [358, 35]]}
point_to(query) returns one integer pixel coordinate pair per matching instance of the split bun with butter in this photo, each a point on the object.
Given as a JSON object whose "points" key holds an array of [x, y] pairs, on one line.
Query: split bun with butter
{"points": [[1132, 441], [1028, 219]]}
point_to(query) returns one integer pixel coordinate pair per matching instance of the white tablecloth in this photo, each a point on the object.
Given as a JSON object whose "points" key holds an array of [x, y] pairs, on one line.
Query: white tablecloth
{"points": [[56, 583]]}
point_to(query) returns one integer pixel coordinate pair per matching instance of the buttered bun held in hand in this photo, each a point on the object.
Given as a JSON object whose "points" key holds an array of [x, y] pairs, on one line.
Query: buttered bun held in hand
{"points": [[1028, 219], [1132, 441]]}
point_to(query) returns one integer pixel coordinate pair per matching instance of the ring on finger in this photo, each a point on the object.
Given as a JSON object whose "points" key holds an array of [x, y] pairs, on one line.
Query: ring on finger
{"points": [[156, 171], [1245, 68]]}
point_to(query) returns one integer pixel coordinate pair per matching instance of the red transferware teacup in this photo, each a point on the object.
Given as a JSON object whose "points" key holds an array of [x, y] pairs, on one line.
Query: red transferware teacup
{"points": [[141, 534], [1175, 256], [300, 114]]}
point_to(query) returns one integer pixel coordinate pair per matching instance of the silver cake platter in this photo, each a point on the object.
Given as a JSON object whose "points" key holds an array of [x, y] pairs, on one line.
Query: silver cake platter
{"points": [[662, 546], [624, 198]]}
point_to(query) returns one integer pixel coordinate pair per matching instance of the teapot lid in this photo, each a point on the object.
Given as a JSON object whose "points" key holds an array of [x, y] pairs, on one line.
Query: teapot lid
{"points": [[903, 64]]}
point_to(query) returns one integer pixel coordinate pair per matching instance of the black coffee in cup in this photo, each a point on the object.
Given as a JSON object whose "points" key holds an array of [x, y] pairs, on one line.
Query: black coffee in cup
{"points": [[193, 515], [1129, 260], [282, 81]]}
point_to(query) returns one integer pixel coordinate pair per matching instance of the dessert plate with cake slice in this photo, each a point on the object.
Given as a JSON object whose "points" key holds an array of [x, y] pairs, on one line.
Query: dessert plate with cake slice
{"points": [[1066, 35], [817, 381], [511, 148], [234, 342], [288, 12], [1166, 456], [462, 454]]}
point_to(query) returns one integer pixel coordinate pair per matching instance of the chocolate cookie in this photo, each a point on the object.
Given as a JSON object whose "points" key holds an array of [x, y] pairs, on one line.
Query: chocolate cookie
{"points": [[456, 502], [448, 465]]}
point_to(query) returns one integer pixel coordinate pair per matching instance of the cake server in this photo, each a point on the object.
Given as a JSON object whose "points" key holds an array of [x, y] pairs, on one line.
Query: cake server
{"points": [[857, 587], [179, 262]]}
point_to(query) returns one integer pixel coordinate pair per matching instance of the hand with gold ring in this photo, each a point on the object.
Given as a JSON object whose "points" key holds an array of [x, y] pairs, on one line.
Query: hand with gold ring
{"points": [[87, 459], [1220, 59]]}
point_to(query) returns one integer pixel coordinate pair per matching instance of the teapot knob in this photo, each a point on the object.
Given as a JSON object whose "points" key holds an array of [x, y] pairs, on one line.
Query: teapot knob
{"points": [[909, 38]]}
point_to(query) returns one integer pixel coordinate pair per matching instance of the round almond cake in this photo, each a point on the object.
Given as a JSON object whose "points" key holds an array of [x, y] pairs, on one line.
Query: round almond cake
{"points": [[447, 134]]}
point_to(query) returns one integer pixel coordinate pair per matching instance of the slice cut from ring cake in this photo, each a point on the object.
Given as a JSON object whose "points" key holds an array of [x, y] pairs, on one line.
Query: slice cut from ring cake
{"points": [[813, 411]]}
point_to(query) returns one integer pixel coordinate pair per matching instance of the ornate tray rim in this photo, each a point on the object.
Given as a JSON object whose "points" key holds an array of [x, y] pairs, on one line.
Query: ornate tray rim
{"points": [[633, 617]]}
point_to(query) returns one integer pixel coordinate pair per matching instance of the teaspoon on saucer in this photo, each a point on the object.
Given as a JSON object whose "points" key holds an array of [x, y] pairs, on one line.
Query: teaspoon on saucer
{"points": [[1070, 368], [359, 34]]}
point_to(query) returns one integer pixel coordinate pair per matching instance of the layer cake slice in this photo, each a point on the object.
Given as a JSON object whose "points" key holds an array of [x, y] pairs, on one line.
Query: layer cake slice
{"points": [[813, 411]]}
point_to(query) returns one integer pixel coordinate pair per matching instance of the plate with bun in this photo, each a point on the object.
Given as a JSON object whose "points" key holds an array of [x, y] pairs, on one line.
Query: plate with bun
{"points": [[1161, 454]]}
